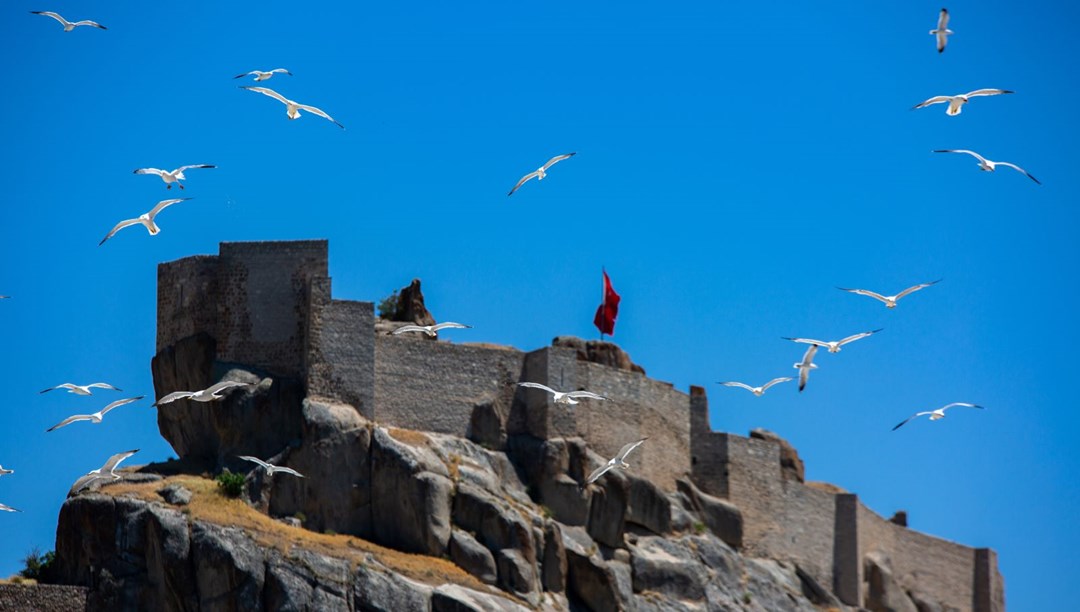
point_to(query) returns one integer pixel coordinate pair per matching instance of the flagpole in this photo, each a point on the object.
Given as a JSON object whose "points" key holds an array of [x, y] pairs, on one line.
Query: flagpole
{"points": [[603, 301]]}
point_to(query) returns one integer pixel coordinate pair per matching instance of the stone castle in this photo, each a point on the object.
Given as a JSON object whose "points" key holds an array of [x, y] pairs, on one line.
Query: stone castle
{"points": [[268, 305]]}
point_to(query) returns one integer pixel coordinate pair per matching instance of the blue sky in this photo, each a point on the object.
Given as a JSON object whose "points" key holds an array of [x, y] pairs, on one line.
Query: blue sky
{"points": [[736, 162]]}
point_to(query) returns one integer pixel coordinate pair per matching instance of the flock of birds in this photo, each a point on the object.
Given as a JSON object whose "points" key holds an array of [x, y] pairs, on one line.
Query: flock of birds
{"points": [[955, 104]]}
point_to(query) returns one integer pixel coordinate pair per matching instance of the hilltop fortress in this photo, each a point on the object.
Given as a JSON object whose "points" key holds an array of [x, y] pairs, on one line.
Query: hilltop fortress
{"points": [[268, 305]]}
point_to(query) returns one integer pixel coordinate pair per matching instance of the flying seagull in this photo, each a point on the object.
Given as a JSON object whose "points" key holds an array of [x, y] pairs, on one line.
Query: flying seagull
{"points": [[806, 365], [263, 76], [570, 397], [106, 471], [211, 394], [936, 414], [270, 468], [987, 165], [145, 219], [4, 297], [758, 391], [81, 389], [431, 330], [618, 462], [292, 109], [890, 300], [172, 177], [97, 416], [959, 100], [69, 26], [942, 31], [834, 346], [8, 508], [4, 472], [540, 172]]}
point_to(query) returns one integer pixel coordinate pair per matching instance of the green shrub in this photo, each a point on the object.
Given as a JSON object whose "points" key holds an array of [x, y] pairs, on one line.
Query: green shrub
{"points": [[388, 306], [699, 527], [37, 566], [230, 484]]}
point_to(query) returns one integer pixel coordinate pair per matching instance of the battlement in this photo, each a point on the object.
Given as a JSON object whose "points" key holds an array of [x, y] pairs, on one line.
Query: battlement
{"points": [[269, 305]]}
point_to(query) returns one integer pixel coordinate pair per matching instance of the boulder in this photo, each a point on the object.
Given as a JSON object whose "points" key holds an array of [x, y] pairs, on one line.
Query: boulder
{"points": [[487, 425], [503, 531], [591, 582], [664, 566], [596, 351], [648, 507], [455, 598], [553, 575], [410, 306], [376, 589], [230, 568], [176, 495], [791, 466], [607, 509], [883, 592], [472, 556], [720, 516], [410, 496]]}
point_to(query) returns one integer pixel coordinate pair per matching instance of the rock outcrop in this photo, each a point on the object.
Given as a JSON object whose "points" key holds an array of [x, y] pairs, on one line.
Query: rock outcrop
{"points": [[410, 306], [597, 351]]}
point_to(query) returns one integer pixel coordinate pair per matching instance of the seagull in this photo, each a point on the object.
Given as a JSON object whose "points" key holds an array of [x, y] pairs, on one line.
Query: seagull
{"points": [[616, 463], [987, 165], [81, 389], [959, 100], [942, 31], [4, 472], [211, 394], [5, 297], [806, 365], [570, 397], [758, 391], [69, 26], [97, 416], [263, 76], [431, 330], [106, 471], [8, 508], [936, 414], [146, 219], [270, 468], [292, 109], [172, 177], [890, 300], [834, 346], [540, 172]]}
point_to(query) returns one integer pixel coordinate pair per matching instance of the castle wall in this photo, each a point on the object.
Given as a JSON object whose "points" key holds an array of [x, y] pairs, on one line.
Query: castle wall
{"points": [[340, 355], [186, 299], [435, 386]]}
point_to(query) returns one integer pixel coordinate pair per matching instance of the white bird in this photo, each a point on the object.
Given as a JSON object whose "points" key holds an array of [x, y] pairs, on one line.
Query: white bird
{"points": [[806, 365], [97, 416], [959, 100], [270, 468], [263, 76], [4, 472], [4, 297], [569, 397], [942, 31], [834, 346], [68, 25], [172, 177], [211, 394], [292, 109], [936, 414], [758, 391], [987, 165], [106, 471], [145, 219], [8, 508], [618, 462], [431, 330], [890, 300], [81, 389], [540, 172]]}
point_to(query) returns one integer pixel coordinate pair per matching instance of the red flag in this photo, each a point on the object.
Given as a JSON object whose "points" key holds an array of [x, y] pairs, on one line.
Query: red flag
{"points": [[608, 309]]}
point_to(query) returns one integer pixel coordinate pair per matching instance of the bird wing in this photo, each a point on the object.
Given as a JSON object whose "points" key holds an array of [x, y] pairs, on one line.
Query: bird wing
{"points": [[942, 39], [240, 76], [775, 381], [409, 328], [282, 70], [172, 397], [288, 471], [911, 290], [585, 394], [533, 385], [156, 171], [987, 92], [598, 472], [182, 168], [266, 91], [625, 450], [254, 460], [855, 337], [119, 403], [934, 100], [53, 15], [101, 385], [971, 153], [738, 384], [115, 460], [523, 180], [943, 19], [449, 325], [808, 341], [224, 385], [63, 386], [69, 421], [319, 112], [1018, 168], [808, 357], [904, 422], [866, 292], [6, 508], [118, 227], [964, 404], [558, 158], [83, 482], [162, 205], [87, 22]]}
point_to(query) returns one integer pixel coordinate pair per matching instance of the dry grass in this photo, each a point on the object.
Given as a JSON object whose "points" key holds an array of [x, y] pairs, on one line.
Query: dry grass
{"points": [[408, 436], [17, 579], [825, 486], [453, 466], [209, 505]]}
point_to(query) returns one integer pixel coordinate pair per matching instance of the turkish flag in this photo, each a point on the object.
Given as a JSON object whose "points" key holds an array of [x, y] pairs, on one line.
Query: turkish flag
{"points": [[608, 309]]}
